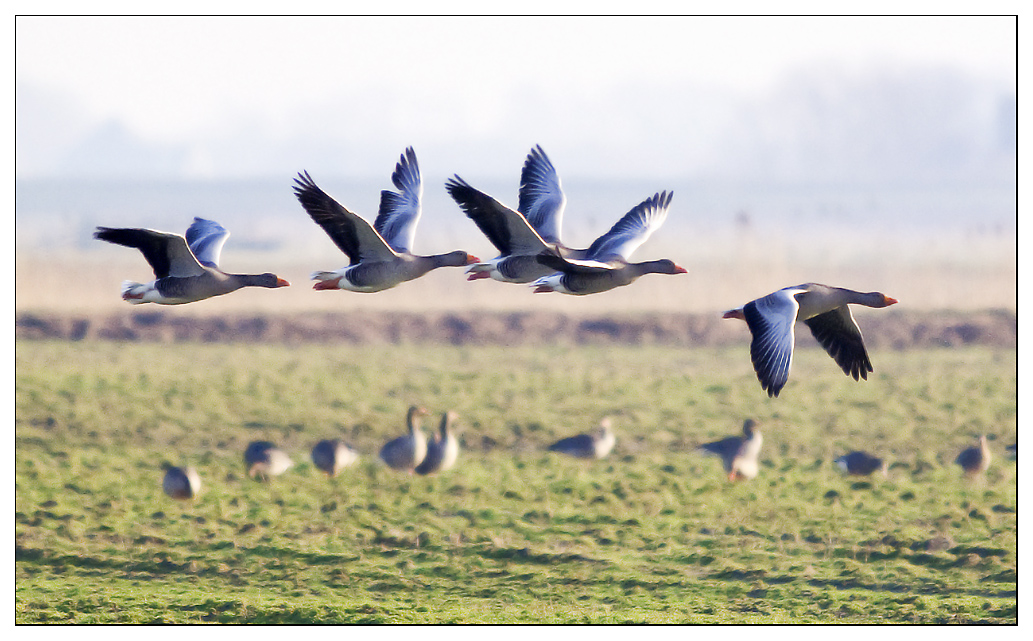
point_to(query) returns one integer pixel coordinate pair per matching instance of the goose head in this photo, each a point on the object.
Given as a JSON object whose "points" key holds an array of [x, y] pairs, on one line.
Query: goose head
{"points": [[272, 281], [663, 266], [412, 419], [748, 427], [455, 259], [880, 300]]}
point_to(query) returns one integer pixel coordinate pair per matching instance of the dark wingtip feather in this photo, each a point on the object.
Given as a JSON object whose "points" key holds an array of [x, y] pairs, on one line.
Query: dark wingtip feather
{"points": [[661, 200], [455, 184], [406, 169], [306, 190], [537, 155], [463, 194], [303, 183]]}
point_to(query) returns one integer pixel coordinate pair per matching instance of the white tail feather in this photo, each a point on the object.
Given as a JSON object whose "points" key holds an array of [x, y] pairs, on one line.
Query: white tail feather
{"points": [[478, 268], [133, 292]]}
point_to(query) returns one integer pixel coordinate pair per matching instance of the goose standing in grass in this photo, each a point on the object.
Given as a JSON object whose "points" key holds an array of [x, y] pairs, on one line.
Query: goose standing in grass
{"points": [[186, 270], [772, 321], [380, 254], [181, 483], [522, 234], [595, 445], [605, 264], [442, 451], [739, 453], [975, 460], [263, 460], [407, 452], [861, 464], [332, 456]]}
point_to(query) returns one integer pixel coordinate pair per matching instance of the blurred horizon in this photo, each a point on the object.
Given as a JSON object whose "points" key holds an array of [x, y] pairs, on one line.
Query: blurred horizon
{"points": [[882, 125], [877, 149]]}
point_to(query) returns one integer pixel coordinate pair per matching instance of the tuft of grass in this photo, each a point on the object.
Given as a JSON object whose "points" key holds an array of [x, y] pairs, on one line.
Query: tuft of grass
{"points": [[514, 533]]}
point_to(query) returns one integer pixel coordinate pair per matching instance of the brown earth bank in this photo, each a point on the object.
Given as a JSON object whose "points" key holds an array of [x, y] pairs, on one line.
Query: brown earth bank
{"points": [[892, 330]]}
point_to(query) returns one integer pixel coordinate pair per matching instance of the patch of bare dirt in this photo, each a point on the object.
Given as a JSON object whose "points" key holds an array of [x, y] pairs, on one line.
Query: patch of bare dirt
{"points": [[895, 330]]}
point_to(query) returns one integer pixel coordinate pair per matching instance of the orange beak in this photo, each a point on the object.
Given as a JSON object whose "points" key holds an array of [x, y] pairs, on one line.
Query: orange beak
{"points": [[471, 260], [280, 282]]}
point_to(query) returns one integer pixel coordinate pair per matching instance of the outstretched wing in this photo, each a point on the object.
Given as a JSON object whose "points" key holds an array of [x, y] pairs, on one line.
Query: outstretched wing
{"points": [[772, 321], [167, 254], [352, 235], [633, 229], [206, 238], [400, 211], [838, 333], [541, 197], [508, 230]]}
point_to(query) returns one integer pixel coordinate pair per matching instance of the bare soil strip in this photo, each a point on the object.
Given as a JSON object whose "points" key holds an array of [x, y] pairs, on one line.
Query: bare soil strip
{"points": [[885, 330]]}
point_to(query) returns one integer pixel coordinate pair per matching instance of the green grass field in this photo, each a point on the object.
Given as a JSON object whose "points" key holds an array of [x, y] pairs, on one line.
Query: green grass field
{"points": [[512, 534]]}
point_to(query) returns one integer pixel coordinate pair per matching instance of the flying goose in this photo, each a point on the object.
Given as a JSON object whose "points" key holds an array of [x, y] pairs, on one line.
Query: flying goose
{"points": [[739, 453], [379, 255], [975, 460], [595, 445], [185, 269], [181, 483], [605, 265], [442, 451], [332, 456], [861, 464], [263, 459], [825, 310], [522, 234], [407, 452]]}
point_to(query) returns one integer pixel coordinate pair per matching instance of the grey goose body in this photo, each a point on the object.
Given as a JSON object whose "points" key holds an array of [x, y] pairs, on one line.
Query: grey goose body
{"points": [[406, 452], [975, 460], [594, 445], [186, 270], [263, 460], [605, 264], [333, 455], [181, 483], [521, 234], [858, 463], [379, 255], [739, 454], [825, 310], [442, 450]]}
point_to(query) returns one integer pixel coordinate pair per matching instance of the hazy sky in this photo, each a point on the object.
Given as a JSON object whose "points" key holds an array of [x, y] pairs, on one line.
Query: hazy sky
{"points": [[661, 103], [166, 76], [177, 81]]}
